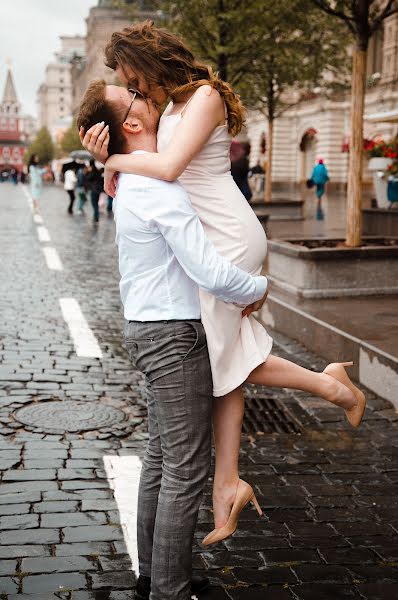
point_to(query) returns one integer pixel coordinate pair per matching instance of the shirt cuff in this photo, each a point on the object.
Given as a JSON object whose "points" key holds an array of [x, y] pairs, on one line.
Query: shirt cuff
{"points": [[261, 287]]}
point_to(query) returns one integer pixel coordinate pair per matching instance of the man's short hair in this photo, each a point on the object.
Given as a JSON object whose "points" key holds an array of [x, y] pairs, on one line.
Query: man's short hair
{"points": [[95, 108]]}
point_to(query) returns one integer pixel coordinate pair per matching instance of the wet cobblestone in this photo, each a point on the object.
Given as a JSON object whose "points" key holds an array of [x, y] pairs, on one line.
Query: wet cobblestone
{"points": [[329, 493]]}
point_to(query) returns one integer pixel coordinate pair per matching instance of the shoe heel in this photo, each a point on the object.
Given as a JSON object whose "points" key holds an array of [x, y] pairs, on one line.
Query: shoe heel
{"points": [[347, 364], [256, 505]]}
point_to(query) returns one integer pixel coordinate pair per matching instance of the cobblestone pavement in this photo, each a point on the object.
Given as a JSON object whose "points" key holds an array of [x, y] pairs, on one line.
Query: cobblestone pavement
{"points": [[67, 496]]}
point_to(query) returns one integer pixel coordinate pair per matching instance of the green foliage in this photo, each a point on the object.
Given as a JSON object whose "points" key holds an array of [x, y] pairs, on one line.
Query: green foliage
{"points": [[42, 145], [71, 140], [301, 51]]}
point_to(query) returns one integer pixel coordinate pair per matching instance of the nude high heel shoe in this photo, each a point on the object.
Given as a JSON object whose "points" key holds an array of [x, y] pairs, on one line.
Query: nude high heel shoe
{"points": [[355, 414], [244, 495]]}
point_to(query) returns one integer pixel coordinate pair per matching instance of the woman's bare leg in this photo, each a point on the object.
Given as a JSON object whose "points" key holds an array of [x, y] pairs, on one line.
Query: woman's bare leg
{"points": [[279, 372], [228, 416], [227, 427]]}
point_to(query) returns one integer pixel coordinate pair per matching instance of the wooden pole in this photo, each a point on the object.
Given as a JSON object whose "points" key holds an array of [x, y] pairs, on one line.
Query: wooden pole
{"points": [[354, 190], [268, 171]]}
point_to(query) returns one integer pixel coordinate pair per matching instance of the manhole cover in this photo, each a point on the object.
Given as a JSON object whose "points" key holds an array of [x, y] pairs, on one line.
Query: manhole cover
{"points": [[69, 416], [266, 415]]}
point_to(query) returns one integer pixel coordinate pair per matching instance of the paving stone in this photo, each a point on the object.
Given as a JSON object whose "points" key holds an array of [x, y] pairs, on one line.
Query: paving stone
{"points": [[73, 519], [64, 474], [8, 585], [324, 591], [26, 521], [56, 507], [252, 593], [378, 591], [29, 536], [78, 485], [51, 463], [349, 556], [8, 567], [53, 583], [85, 549], [264, 576], [27, 486], [92, 533], [30, 475], [118, 579], [322, 573], [371, 573], [56, 565], [25, 550], [289, 556], [107, 504], [120, 562], [14, 509], [222, 559]]}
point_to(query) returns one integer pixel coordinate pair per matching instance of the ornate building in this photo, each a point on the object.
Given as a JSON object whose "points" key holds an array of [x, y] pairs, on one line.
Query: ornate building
{"points": [[320, 127], [13, 137], [54, 97]]}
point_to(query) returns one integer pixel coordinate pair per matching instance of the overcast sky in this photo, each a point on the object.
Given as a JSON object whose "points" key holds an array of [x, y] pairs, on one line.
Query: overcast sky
{"points": [[29, 36]]}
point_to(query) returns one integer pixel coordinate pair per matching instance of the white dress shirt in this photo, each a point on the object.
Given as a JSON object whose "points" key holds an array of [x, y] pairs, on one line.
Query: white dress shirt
{"points": [[164, 254]]}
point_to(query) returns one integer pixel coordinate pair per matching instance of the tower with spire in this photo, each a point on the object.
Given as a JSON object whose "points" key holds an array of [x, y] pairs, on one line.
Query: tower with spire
{"points": [[12, 137]]}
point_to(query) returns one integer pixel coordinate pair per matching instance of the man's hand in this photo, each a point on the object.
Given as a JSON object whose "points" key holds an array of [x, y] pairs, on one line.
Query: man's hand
{"points": [[255, 306], [96, 141]]}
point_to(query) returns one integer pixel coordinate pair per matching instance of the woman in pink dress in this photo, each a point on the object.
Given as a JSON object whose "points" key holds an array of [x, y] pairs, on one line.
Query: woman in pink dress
{"points": [[194, 138]]}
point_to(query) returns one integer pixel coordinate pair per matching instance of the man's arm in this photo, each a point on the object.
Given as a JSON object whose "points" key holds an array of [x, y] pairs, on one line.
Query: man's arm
{"points": [[177, 221]]}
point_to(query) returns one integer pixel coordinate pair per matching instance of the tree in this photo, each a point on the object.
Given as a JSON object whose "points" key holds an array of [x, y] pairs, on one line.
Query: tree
{"points": [[216, 30], [297, 51], [71, 140], [42, 145], [362, 18]]}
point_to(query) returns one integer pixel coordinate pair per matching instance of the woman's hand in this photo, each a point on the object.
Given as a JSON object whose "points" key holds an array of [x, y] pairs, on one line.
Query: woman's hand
{"points": [[96, 141], [110, 180], [255, 306]]}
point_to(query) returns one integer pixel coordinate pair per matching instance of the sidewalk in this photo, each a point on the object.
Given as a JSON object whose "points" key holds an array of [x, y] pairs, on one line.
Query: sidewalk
{"points": [[363, 328], [73, 431]]}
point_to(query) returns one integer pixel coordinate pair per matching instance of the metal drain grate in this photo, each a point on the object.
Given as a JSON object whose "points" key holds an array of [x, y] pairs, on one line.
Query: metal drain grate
{"points": [[266, 415]]}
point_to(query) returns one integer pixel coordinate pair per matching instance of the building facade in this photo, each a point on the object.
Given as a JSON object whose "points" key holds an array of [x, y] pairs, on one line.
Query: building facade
{"points": [[54, 97], [15, 128], [320, 128]]}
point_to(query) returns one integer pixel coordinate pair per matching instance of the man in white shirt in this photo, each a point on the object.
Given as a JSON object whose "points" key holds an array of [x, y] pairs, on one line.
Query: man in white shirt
{"points": [[164, 256], [70, 181]]}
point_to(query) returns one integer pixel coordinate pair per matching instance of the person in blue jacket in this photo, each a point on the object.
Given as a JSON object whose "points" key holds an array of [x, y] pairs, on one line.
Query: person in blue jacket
{"points": [[320, 177]]}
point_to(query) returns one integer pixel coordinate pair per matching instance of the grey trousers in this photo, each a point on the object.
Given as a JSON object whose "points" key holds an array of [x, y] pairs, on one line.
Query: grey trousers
{"points": [[174, 359]]}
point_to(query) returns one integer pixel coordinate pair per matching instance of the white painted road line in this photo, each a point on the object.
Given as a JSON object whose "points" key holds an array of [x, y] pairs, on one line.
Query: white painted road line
{"points": [[43, 234], [85, 342], [28, 197], [123, 473], [52, 259]]}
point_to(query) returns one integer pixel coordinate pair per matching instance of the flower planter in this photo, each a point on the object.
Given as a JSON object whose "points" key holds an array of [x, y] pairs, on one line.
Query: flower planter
{"points": [[327, 272], [378, 165]]}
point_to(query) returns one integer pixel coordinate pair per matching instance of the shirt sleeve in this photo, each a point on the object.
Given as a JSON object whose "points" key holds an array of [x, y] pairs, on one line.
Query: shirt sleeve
{"points": [[174, 217]]}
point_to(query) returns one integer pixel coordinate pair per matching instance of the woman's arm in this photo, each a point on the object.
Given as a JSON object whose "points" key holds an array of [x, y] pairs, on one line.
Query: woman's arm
{"points": [[204, 113]]}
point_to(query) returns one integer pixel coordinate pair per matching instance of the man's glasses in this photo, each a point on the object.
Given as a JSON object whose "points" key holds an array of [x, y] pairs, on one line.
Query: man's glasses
{"points": [[134, 93]]}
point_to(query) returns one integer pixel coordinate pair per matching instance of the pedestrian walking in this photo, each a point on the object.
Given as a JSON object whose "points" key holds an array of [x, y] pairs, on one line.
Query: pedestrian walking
{"points": [[70, 181], [109, 205], [36, 181], [194, 134], [240, 167], [95, 183], [81, 188], [14, 176], [320, 177]]}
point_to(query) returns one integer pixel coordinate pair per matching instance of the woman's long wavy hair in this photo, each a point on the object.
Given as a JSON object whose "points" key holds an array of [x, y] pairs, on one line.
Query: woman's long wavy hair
{"points": [[164, 60]]}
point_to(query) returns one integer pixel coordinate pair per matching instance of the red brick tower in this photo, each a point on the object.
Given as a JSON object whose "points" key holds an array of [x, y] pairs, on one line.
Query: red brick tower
{"points": [[12, 137]]}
